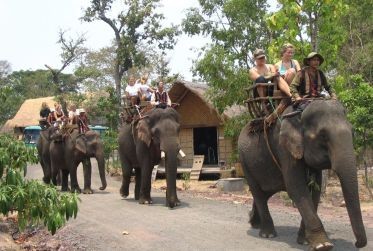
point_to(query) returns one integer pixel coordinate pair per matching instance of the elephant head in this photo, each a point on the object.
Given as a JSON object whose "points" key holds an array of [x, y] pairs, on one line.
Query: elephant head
{"points": [[322, 137], [158, 133], [90, 145]]}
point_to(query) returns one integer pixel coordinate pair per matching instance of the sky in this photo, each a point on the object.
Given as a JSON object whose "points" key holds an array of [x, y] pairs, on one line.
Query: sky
{"points": [[29, 33]]}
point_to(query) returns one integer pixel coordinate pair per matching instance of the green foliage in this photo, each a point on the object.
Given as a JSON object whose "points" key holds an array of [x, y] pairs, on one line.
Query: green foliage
{"points": [[356, 53], [311, 25], [109, 108], [10, 103], [186, 180], [34, 202], [236, 28], [232, 129], [137, 25], [110, 141], [356, 97]]}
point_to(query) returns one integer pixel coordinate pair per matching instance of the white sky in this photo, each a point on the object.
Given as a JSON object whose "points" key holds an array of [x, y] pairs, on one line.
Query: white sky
{"points": [[29, 32]]}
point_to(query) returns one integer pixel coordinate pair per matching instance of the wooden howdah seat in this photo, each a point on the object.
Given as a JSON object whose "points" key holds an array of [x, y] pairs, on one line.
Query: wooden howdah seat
{"points": [[132, 112], [260, 107]]}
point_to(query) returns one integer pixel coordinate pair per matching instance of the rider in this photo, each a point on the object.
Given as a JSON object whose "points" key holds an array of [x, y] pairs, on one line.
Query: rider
{"points": [[287, 66], [160, 97], [310, 80]]}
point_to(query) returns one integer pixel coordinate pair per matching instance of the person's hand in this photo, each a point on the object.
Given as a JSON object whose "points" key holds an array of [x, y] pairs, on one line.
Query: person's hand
{"points": [[297, 99]]}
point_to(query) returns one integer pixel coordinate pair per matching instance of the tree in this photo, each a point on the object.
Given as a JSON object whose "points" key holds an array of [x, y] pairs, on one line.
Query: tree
{"points": [[33, 202], [5, 69], [236, 28], [356, 53], [135, 26], [311, 25]]}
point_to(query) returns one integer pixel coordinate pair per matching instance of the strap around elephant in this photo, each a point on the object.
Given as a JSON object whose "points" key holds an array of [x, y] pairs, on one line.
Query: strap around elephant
{"points": [[268, 146]]}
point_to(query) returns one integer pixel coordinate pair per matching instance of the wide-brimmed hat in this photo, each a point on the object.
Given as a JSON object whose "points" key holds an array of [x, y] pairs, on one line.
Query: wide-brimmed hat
{"points": [[259, 53], [312, 55]]}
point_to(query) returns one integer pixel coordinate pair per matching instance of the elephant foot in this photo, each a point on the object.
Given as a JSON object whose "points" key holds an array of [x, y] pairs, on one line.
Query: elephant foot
{"points": [[319, 241], [173, 204], [102, 188], [145, 201], [46, 180], [123, 192], [88, 191], [65, 189], [322, 246], [76, 190], [270, 233], [302, 240], [254, 220]]}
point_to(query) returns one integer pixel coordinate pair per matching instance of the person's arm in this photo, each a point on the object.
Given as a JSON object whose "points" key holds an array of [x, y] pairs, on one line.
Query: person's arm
{"points": [[152, 100], [294, 87], [297, 65], [169, 103], [253, 74]]}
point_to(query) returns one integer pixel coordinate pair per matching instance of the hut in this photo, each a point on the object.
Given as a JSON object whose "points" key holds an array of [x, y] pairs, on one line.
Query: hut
{"points": [[202, 131], [27, 115]]}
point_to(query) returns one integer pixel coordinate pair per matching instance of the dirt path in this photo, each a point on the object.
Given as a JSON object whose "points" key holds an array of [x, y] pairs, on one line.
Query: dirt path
{"points": [[204, 221]]}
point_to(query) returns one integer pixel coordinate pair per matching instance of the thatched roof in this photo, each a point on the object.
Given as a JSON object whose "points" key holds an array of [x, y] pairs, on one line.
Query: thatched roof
{"points": [[28, 114], [196, 108]]}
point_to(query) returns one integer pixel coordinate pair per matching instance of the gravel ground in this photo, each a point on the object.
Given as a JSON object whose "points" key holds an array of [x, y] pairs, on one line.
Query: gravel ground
{"points": [[206, 220]]}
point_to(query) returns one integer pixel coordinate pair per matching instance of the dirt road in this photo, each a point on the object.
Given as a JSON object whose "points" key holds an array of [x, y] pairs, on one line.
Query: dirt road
{"points": [[198, 224]]}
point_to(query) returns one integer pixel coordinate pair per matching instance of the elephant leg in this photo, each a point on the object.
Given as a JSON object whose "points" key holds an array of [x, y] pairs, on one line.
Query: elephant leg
{"points": [[137, 183], [314, 232], [126, 178], [65, 180], [146, 175], [87, 170], [73, 178], [260, 216], [315, 199], [254, 218]]}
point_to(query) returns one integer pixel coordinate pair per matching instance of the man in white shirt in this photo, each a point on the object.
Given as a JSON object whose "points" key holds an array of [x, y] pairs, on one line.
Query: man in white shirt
{"points": [[132, 91]]}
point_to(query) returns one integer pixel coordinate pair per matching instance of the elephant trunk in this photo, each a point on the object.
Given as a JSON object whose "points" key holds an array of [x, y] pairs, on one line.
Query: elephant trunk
{"points": [[171, 171], [344, 164], [101, 168]]}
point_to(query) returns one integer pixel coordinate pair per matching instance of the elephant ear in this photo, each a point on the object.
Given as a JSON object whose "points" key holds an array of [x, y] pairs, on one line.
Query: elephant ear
{"points": [[80, 145], [291, 136], [143, 132]]}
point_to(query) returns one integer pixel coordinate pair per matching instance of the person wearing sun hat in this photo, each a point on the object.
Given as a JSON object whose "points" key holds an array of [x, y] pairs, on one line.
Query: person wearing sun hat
{"points": [[310, 81], [264, 73]]}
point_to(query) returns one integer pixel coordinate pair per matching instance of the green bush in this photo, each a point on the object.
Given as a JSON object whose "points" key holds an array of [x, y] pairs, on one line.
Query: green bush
{"points": [[34, 202]]}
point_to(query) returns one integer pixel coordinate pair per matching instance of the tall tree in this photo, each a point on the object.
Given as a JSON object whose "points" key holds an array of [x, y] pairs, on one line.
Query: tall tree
{"points": [[236, 28], [311, 25], [71, 50], [356, 53], [136, 25]]}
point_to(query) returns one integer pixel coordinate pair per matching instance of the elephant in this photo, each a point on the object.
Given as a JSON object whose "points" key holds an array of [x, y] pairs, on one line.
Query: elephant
{"points": [[285, 156], [141, 145], [44, 156], [75, 148]]}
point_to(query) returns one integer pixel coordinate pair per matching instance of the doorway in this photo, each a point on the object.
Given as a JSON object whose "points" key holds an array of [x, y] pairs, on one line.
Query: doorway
{"points": [[205, 143]]}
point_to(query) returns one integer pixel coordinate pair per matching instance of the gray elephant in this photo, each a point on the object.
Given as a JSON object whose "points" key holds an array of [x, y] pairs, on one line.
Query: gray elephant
{"points": [[140, 147], [300, 147], [44, 156], [68, 153]]}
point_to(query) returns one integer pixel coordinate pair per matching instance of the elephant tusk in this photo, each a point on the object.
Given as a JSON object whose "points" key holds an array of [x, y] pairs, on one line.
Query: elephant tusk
{"points": [[182, 154], [163, 154]]}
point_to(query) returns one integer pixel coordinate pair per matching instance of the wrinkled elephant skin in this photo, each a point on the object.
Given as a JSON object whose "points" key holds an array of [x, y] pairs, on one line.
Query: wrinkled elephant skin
{"points": [[68, 154], [140, 147], [302, 145]]}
